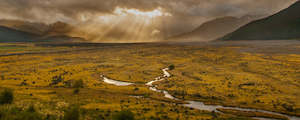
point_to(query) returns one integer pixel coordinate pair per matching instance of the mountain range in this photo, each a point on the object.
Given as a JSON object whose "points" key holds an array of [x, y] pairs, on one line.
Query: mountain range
{"points": [[30, 27], [11, 35], [214, 29], [22, 31], [280, 26]]}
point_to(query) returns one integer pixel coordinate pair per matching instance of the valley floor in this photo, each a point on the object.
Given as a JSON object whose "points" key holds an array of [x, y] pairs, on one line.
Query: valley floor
{"points": [[257, 75]]}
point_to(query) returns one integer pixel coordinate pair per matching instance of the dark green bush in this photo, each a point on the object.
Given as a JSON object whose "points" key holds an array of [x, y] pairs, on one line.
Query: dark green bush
{"points": [[171, 67], [56, 80], [76, 91], [288, 107], [6, 97], [78, 84], [136, 89], [31, 109], [124, 115], [73, 113]]}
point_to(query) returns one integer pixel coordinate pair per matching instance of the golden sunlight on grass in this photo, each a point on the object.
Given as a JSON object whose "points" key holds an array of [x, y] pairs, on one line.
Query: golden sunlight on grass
{"points": [[219, 76]]}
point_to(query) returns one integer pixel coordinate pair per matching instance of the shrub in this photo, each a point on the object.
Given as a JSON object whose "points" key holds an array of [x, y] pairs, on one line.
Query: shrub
{"points": [[30, 114], [14, 113], [288, 107], [31, 109], [76, 91], [6, 97], [214, 114], [124, 115], [171, 67], [72, 113], [56, 80], [78, 84], [136, 89]]}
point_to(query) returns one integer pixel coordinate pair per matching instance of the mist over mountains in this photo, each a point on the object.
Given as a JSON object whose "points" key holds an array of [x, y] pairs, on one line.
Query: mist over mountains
{"points": [[22, 31], [30, 27], [280, 26], [128, 22], [214, 29], [11, 35]]}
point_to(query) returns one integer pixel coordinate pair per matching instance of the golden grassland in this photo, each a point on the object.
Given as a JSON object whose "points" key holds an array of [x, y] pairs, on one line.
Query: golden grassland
{"points": [[214, 75], [9, 48], [252, 114]]}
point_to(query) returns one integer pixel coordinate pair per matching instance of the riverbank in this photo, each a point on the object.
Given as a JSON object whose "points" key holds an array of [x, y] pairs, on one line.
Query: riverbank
{"points": [[254, 113]]}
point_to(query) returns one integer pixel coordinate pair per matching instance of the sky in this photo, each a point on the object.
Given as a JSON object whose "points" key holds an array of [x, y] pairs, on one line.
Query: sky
{"points": [[151, 17]]}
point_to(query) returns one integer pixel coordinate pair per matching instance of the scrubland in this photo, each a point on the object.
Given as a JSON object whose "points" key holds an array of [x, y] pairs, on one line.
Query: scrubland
{"points": [[53, 78]]}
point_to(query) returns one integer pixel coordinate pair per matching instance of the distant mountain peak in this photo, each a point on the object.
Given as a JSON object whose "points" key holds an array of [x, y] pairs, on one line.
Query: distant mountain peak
{"points": [[25, 26], [23, 31], [214, 29], [282, 25], [12, 35]]}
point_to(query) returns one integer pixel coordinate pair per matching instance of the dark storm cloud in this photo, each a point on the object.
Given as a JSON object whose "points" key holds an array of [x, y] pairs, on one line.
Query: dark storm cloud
{"points": [[186, 14], [71, 9]]}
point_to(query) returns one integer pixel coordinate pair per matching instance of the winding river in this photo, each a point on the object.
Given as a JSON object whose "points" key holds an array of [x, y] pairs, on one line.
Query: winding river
{"points": [[193, 104], [115, 82]]}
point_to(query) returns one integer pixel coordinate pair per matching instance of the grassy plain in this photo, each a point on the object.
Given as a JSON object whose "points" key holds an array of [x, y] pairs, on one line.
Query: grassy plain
{"points": [[43, 75]]}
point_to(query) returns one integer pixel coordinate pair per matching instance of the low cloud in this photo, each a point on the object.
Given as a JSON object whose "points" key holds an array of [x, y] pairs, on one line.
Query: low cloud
{"points": [[186, 14], [53, 10]]}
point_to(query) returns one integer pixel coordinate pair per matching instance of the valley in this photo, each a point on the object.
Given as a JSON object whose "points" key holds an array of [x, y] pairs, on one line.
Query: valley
{"points": [[54, 76]]}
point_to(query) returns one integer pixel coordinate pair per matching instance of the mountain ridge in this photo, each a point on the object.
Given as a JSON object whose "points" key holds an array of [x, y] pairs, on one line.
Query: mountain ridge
{"points": [[214, 29], [23, 31], [282, 25], [11, 35]]}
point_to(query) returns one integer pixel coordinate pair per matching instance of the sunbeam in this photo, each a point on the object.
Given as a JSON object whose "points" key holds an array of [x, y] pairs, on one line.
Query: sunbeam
{"points": [[125, 25]]}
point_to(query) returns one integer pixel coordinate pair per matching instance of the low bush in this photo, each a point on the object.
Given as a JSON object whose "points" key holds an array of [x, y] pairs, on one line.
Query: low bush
{"points": [[78, 84], [72, 113], [171, 67], [124, 115], [6, 97], [76, 90], [14, 113], [56, 80]]}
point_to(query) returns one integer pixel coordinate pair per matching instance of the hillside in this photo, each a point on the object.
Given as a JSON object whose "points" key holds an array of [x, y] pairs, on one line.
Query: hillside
{"points": [[214, 29], [22, 31], [283, 25], [30, 27], [11, 35]]}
